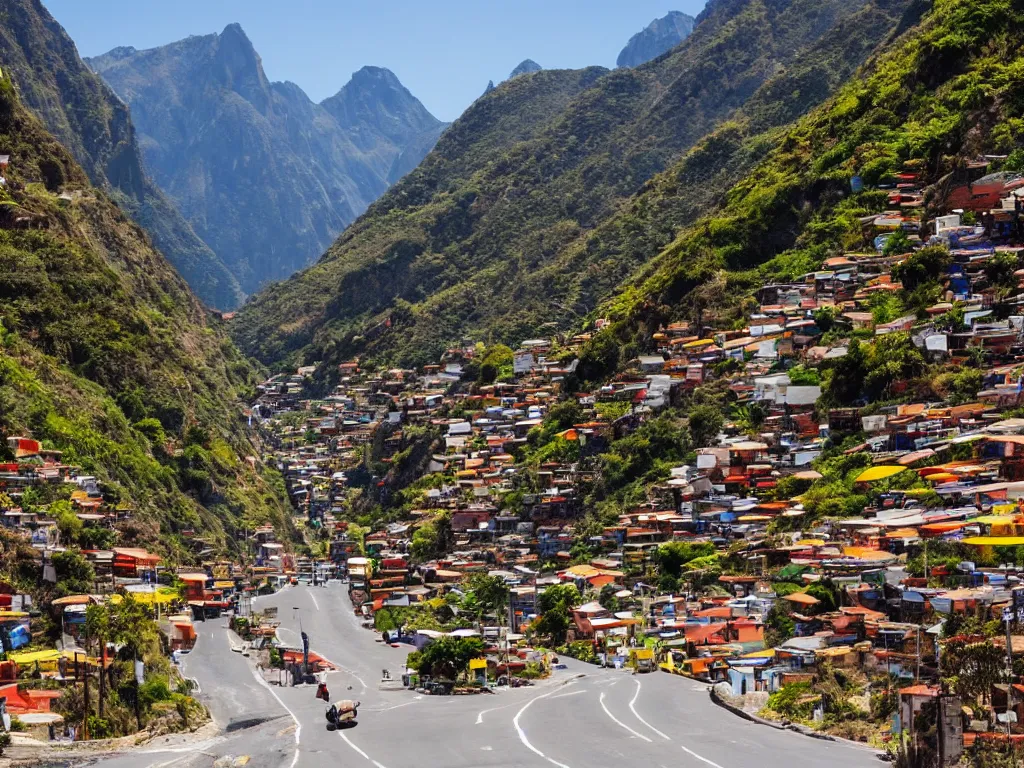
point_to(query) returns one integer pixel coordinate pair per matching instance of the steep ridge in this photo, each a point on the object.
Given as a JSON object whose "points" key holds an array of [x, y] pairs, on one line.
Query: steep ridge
{"points": [[88, 118], [947, 92], [266, 177], [658, 37], [492, 239], [106, 355]]}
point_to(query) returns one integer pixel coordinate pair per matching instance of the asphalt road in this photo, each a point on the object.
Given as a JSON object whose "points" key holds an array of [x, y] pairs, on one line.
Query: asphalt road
{"points": [[583, 717]]}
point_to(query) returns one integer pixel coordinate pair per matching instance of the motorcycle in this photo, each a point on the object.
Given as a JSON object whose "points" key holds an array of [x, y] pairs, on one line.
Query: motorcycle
{"points": [[322, 692], [342, 715]]}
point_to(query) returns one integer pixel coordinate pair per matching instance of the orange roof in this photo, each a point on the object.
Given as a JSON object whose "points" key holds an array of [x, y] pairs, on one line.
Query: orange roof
{"points": [[802, 598]]}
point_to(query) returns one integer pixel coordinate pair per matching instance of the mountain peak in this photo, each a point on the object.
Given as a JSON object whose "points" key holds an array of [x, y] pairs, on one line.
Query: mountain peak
{"points": [[374, 96], [238, 48], [240, 67], [374, 77], [525, 67], [658, 37]]}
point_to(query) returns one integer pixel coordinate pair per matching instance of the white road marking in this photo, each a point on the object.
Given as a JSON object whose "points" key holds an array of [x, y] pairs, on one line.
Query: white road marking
{"points": [[522, 733], [396, 706], [298, 725], [480, 716], [314, 601], [632, 708], [702, 759], [570, 693], [359, 751], [619, 722]]}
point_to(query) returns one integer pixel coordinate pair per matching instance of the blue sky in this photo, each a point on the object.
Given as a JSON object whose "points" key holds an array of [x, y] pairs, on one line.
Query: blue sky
{"points": [[444, 51]]}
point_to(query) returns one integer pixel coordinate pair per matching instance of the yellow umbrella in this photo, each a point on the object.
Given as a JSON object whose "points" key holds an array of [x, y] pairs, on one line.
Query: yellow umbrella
{"points": [[942, 477], [879, 473]]}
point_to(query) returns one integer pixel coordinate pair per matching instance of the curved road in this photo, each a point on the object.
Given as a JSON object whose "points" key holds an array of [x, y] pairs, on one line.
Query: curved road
{"points": [[582, 718]]}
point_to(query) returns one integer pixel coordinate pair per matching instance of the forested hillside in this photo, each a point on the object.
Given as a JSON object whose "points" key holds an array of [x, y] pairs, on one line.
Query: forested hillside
{"points": [[107, 356], [527, 213], [946, 93], [86, 117]]}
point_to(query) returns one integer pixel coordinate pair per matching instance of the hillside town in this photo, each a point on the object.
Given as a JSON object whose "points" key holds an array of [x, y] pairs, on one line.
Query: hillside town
{"points": [[820, 564], [671, 413], [814, 508]]}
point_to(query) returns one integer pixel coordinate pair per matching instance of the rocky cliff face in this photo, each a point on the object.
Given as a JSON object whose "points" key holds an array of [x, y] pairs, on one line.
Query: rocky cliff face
{"points": [[266, 177], [87, 117], [660, 36]]}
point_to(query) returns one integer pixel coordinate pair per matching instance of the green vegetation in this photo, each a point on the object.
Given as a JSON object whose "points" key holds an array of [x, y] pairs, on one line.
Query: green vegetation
{"points": [[544, 196], [95, 126], [447, 657], [945, 91], [106, 356], [555, 606]]}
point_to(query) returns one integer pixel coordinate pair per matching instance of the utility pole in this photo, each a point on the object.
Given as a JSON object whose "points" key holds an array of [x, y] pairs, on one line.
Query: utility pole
{"points": [[85, 718], [103, 669], [135, 673], [1007, 618], [917, 671]]}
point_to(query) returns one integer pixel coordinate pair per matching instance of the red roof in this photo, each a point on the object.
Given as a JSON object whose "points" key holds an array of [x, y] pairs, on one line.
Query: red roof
{"points": [[919, 690]]}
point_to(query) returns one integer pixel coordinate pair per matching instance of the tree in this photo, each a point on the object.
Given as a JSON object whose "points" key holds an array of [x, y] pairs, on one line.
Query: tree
{"points": [[672, 556], [971, 668], [599, 357], [564, 415], [432, 539], [778, 627], [827, 594], [705, 423], [491, 592], [924, 266], [68, 524], [555, 605], [448, 657], [898, 243], [75, 575]]}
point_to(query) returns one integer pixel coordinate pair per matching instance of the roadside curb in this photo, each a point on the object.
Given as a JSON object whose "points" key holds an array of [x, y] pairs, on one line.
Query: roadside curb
{"points": [[795, 727], [717, 699]]}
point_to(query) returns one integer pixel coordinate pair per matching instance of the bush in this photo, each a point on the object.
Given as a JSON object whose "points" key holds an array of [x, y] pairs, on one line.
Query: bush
{"points": [[100, 728], [792, 701], [154, 691]]}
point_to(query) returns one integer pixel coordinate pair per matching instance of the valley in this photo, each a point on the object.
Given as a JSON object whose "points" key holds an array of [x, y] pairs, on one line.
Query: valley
{"points": [[668, 410]]}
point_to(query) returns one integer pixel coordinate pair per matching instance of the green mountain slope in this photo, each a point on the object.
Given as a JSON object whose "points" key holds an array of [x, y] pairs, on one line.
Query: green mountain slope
{"points": [[106, 355], [88, 118], [949, 90], [497, 236]]}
